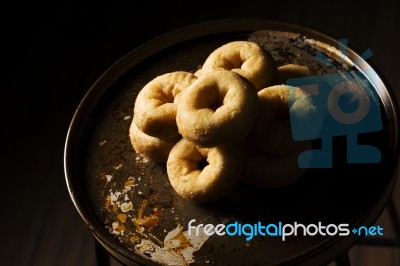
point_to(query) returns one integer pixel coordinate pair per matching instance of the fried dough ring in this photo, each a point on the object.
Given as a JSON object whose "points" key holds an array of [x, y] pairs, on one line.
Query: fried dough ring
{"points": [[153, 148], [224, 165], [248, 59], [272, 132], [291, 71], [155, 110], [218, 108]]}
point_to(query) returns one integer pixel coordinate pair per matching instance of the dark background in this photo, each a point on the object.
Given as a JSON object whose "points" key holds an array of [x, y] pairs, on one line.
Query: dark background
{"points": [[51, 55]]}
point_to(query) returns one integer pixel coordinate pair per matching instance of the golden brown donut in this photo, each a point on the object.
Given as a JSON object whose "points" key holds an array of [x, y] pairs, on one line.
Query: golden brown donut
{"points": [[198, 72], [291, 71], [266, 171], [204, 174], [155, 110], [153, 148], [248, 59], [272, 132], [218, 108]]}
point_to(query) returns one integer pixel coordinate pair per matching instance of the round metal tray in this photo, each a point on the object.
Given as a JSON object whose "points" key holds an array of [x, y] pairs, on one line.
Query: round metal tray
{"points": [[103, 171]]}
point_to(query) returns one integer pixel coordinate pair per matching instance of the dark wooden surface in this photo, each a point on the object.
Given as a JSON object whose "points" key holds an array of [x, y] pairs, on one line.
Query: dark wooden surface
{"points": [[52, 53]]}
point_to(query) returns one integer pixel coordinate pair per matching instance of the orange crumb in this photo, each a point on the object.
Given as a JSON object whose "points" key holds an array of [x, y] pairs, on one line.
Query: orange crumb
{"points": [[148, 221], [122, 217], [129, 183], [157, 211], [134, 238], [141, 208]]}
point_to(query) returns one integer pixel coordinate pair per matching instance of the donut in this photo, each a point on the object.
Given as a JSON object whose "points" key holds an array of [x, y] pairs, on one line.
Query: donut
{"points": [[153, 148], [155, 110], [248, 59], [268, 172], [218, 108], [291, 71], [198, 72], [204, 174], [272, 131]]}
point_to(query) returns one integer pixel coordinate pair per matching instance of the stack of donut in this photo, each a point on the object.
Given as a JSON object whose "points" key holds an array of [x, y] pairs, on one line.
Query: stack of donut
{"points": [[223, 123]]}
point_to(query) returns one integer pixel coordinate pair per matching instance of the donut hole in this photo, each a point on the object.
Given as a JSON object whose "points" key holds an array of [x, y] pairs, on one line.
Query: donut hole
{"points": [[202, 163], [216, 103], [166, 97], [199, 158], [209, 98], [232, 62]]}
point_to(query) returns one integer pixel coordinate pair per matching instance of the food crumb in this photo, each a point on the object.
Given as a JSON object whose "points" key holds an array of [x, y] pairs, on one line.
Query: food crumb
{"points": [[177, 248], [127, 117], [114, 196], [108, 177], [134, 238], [140, 229], [122, 217], [126, 206], [118, 166], [129, 183], [118, 229], [101, 143], [148, 221]]}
